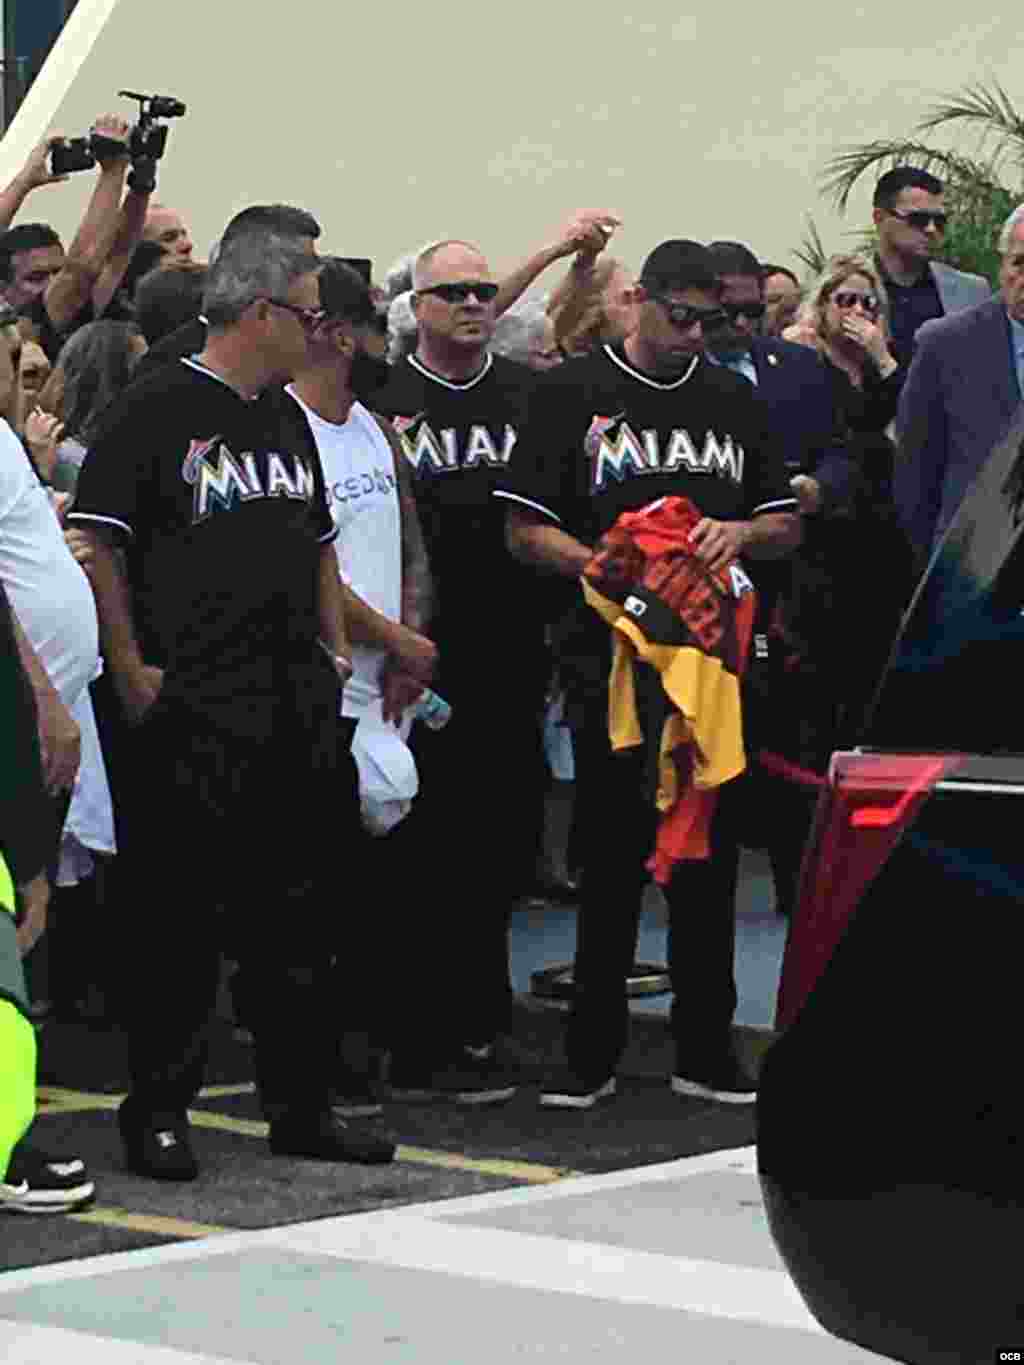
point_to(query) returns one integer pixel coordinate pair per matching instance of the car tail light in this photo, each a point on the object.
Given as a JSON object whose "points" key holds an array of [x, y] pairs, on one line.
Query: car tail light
{"points": [[868, 802]]}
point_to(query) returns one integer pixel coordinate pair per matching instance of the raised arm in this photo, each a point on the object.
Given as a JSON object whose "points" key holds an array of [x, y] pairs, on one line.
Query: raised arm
{"points": [[88, 253], [587, 230], [33, 174]]}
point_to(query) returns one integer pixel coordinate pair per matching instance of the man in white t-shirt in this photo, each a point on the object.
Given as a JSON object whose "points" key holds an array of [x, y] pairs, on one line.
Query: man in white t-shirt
{"points": [[26, 567], [383, 568]]}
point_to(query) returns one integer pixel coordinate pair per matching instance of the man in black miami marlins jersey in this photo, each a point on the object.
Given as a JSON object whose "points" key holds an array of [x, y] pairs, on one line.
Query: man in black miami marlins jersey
{"points": [[458, 410], [225, 638], [612, 433]]}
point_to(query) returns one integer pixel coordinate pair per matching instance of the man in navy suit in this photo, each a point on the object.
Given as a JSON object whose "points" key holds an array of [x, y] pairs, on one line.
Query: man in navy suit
{"points": [[964, 386], [789, 378]]}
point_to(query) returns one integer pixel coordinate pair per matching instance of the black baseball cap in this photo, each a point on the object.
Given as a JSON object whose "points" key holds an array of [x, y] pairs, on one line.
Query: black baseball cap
{"points": [[679, 264]]}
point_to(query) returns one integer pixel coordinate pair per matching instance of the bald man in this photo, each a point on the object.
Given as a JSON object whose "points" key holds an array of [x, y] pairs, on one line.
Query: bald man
{"points": [[458, 410], [167, 228]]}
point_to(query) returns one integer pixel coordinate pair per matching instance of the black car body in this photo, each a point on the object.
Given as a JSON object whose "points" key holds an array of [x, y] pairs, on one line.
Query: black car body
{"points": [[891, 1107]]}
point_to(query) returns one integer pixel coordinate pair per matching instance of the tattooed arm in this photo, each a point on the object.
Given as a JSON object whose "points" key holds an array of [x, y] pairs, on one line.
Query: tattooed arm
{"points": [[417, 585]]}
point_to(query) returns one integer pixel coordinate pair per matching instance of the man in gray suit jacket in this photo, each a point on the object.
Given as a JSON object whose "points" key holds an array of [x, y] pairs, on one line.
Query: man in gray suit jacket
{"points": [[963, 388], [910, 220]]}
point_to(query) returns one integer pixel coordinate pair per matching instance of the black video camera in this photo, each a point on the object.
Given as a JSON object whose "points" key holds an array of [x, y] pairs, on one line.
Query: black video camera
{"points": [[146, 142]]}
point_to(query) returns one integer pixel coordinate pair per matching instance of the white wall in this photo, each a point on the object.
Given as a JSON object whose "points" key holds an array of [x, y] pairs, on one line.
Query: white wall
{"points": [[402, 122]]}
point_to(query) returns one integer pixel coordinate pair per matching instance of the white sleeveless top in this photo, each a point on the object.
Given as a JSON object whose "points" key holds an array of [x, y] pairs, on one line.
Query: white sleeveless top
{"points": [[362, 490]]}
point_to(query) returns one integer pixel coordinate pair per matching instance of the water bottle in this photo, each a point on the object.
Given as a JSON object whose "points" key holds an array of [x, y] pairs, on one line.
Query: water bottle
{"points": [[433, 710]]}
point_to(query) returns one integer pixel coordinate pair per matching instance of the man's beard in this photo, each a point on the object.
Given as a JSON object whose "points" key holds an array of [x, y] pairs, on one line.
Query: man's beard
{"points": [[368, 375], [727, 344]]}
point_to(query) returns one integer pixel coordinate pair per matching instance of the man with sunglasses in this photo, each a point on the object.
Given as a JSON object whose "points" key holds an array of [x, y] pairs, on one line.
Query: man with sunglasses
{"points": [[910, 219], [458, 411], [222, 624], [788, 379], [610, 433]]}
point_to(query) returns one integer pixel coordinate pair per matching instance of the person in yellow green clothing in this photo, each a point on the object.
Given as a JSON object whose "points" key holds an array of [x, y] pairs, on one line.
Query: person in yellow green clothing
{"points": [[30, 1180]]}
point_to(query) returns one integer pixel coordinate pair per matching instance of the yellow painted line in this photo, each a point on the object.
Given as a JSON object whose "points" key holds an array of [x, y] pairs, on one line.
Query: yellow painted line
{"points": [[530, 1173], [55, 1100], [527, 1171], [201, 1118], [148, 1222]]}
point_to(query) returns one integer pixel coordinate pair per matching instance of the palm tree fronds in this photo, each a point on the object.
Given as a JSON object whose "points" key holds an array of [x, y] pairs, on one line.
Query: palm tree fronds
{"points": [[988, 106], [844, 170]]}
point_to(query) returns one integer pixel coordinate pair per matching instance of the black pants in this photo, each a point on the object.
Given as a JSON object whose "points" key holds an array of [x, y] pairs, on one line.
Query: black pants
{"points": [[617, 827], [240, 848], [455, 867]]}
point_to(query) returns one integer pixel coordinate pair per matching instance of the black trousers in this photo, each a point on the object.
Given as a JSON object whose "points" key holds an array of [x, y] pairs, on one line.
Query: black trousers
{"points": [[456, 866], [238, 848], [617, 823]]}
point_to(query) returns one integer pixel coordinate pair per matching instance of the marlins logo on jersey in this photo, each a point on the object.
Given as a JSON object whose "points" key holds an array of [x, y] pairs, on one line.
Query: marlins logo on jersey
{"points": [[617, 452], [443, 452], [219, 477]]}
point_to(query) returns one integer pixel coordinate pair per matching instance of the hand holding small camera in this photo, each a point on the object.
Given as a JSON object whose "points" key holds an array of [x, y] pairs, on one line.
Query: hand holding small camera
{"points": [[37, 170]]}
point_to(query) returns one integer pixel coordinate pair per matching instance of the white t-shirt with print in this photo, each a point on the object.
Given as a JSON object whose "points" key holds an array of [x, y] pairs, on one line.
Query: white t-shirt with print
{"points": [[48, 591], [362, 491]]}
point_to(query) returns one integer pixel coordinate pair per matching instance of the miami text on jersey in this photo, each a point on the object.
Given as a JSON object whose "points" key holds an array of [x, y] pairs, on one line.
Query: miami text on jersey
{"points": [[219, 477], [439, 453], [616, 452]]}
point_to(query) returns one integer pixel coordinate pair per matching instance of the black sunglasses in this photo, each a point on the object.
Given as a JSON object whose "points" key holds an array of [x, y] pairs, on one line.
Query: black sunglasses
{"points": [[309, 318], [682, 315], [848, 298], [754, 311], [460, 292], [920, 218]]}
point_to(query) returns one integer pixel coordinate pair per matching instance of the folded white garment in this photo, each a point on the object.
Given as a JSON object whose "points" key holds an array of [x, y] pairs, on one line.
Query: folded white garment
{"points": [[388, 779]]}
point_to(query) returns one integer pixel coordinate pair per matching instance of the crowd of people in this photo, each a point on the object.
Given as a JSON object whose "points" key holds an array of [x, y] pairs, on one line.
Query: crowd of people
{"points": [[297, 558]]}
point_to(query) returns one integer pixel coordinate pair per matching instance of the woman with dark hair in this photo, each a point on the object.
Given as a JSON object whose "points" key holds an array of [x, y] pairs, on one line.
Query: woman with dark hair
{"points": [[94, 366]]}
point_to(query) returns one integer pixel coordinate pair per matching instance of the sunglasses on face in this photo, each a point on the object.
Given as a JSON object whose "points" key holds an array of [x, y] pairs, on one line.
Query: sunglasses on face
{"points": [[682, 315], [309, 318], [754, 312], [482, 291], [920, 218], [849, 298]]}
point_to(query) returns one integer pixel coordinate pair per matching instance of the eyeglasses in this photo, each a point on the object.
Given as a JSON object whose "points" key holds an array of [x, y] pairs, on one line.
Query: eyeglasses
{"points": [[752, 311], [920, 218], [483, 292], [682, 315], [309, 318], [849, 298]]}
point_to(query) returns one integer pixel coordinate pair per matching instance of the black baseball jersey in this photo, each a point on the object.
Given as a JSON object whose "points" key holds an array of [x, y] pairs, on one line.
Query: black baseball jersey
{"points": [[605, 438], [220, 504], [459, 439]]}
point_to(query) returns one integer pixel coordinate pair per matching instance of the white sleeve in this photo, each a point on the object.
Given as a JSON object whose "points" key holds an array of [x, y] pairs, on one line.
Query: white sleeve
{"points": [[16, 473]]}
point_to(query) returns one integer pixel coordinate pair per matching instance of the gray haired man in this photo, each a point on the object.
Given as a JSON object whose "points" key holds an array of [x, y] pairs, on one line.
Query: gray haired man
{"points": [[963, 388], [227, 645]]}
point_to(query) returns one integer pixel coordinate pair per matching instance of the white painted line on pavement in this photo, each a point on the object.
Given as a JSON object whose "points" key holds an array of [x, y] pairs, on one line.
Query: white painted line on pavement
{"points": [[26, 1344], [554, 1265]]}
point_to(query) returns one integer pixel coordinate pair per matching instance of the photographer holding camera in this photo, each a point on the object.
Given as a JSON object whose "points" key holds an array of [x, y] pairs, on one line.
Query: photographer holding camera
{"points": [[59, 293]]}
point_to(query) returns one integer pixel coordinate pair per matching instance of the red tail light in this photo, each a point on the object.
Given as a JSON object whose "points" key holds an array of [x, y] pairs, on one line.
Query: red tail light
{"points": [[868, 802]]}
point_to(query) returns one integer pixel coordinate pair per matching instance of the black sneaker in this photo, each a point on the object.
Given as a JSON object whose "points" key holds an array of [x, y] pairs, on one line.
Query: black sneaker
{"points": [[569, 1090], [158, 1147], [723, 1080], [329, 1139], [476, 1077], [37, 1183]]}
